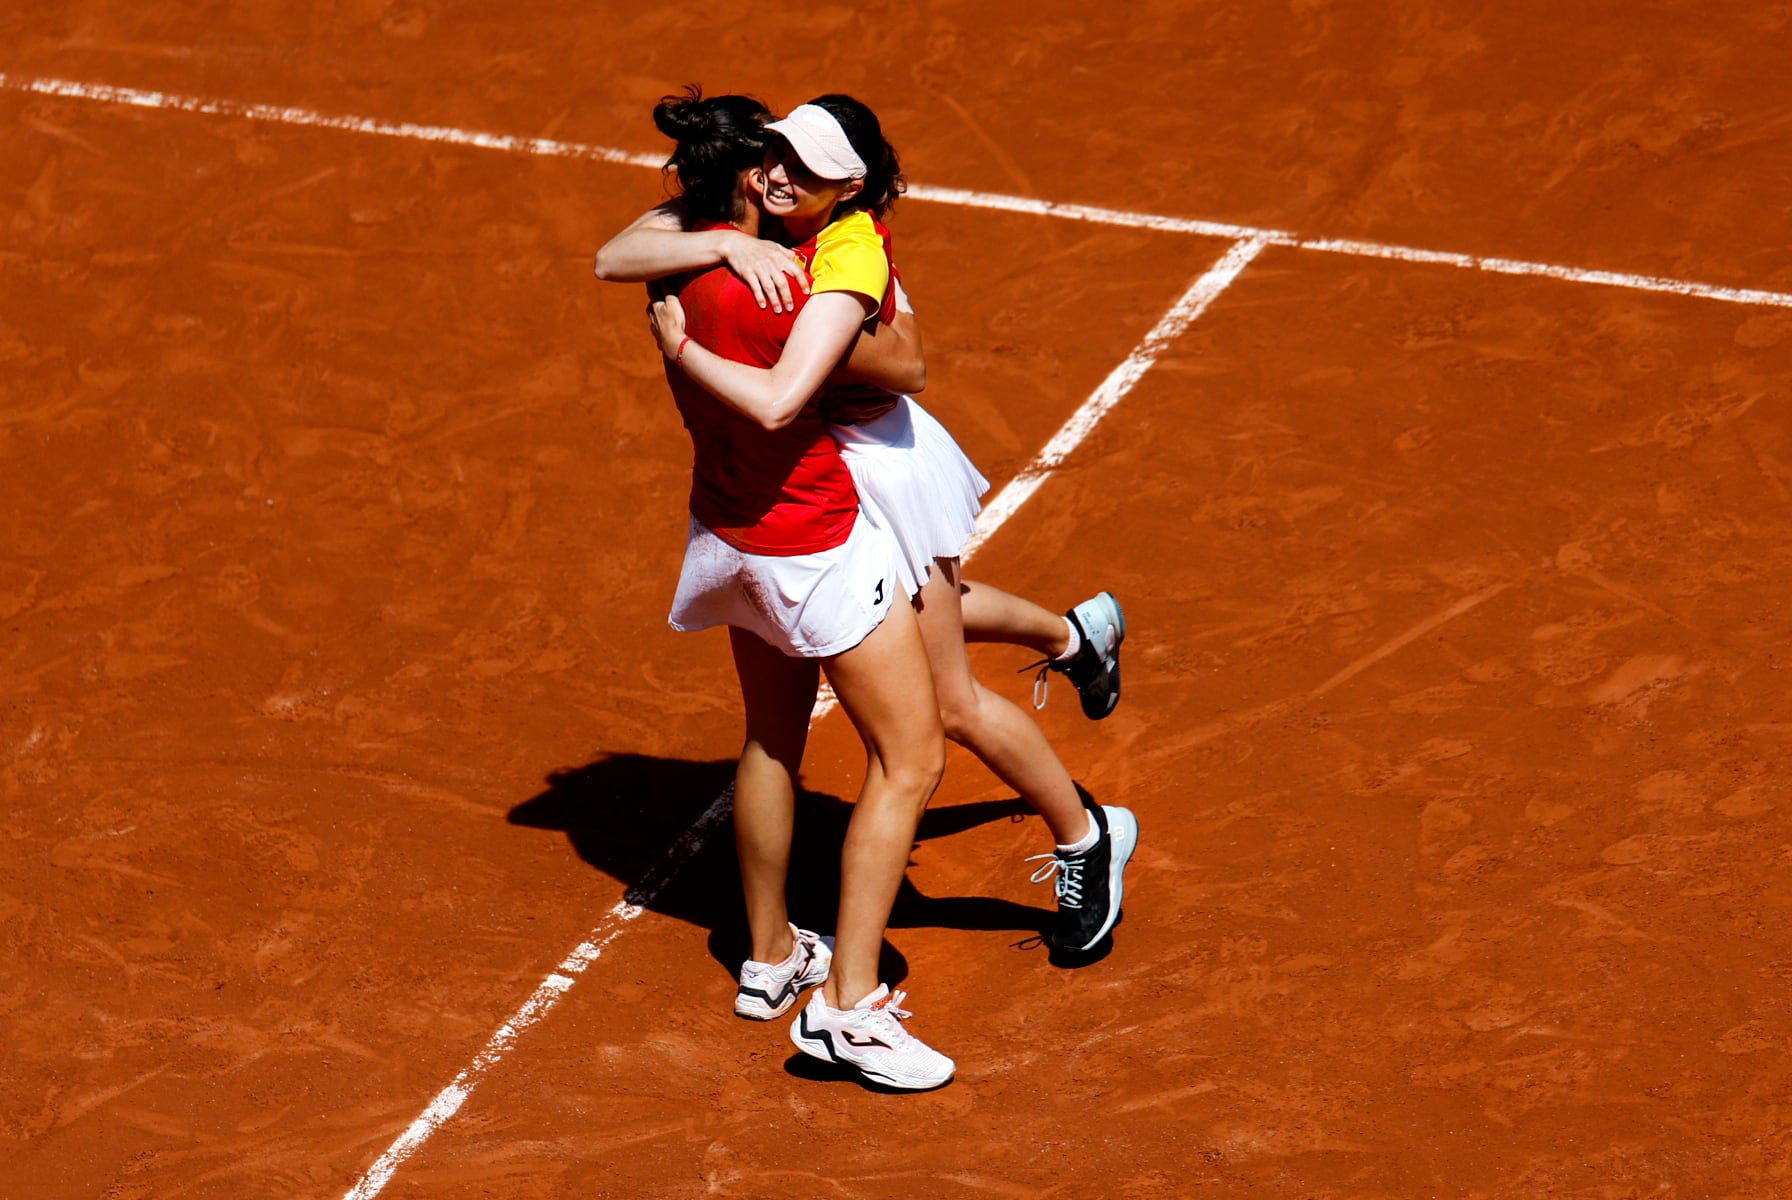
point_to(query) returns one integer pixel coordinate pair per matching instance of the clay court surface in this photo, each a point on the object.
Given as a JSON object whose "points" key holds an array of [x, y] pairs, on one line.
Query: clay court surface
{"points": [[342, 509]]}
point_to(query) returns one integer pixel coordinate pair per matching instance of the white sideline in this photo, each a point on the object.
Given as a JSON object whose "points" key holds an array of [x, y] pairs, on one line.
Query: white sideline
{"points": [[553, 148]]}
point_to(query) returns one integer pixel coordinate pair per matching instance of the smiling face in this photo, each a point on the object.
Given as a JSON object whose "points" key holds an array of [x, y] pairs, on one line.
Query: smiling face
{"points": [[796, 195]]}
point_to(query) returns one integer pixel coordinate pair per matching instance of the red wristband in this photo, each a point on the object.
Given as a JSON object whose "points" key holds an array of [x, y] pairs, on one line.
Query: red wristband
{"points": [[678, 359]]}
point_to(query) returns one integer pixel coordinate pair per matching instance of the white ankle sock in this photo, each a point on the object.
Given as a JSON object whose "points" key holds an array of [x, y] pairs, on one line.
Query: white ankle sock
{"points": [[1088, 842], [1075, 644]]}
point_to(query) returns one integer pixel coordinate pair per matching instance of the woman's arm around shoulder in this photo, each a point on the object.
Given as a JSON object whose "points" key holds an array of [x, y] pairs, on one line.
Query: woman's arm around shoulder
{"points": [[657, 244]]}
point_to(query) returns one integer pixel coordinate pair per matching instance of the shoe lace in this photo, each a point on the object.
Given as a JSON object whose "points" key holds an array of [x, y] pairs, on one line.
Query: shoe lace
{"points": [[1069, 882], [892, 1004], [891, 1007], [1041, 681]]}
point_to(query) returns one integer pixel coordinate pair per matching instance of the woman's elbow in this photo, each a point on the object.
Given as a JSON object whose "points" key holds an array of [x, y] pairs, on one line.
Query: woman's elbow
{"points": [[779, 413], [916, 383], [612, 267]]}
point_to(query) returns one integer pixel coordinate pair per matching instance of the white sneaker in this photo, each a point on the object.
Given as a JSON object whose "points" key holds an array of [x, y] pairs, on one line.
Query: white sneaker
{"points": [[870, 1038], [768, 990]]}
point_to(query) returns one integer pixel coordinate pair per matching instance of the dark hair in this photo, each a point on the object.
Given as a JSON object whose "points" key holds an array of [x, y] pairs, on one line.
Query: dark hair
{"points": [[717, 138], [883, 174]]}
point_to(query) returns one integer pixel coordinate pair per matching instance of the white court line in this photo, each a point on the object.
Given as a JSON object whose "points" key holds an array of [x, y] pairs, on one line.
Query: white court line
{"points": [[549, 147], [136, 98], [1120, 381], [1081, 423]]}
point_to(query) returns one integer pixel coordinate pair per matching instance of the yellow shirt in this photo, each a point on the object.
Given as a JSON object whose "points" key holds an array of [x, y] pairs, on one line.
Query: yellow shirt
{"points": [[849, 256]]}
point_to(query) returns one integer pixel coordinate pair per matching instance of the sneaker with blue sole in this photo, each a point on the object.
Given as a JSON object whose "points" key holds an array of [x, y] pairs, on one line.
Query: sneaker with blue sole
{"points": [[1090, 886], [1094, 669]]}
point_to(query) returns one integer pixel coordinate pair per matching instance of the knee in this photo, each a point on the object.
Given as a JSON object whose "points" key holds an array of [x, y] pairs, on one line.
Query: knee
{"points": [[962, 718], [757, 755], [961, 711], [936, 767], [965, 714], [919, 773]]}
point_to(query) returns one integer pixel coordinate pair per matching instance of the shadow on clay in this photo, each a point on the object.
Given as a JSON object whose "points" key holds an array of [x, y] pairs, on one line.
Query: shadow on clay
{"points": [[623, 811], [814, 1070]]}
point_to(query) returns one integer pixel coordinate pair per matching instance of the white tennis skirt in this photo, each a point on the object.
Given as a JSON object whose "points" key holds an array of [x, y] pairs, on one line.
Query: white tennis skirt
{"points": [[914, 480], [806, 605]]}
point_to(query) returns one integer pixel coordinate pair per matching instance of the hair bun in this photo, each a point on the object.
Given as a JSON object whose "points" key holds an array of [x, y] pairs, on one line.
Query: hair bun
{"points": [[684, 117], [716, 138]]}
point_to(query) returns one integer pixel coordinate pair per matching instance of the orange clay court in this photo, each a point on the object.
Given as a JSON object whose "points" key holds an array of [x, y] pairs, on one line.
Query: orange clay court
{"points": [[343, 508]]}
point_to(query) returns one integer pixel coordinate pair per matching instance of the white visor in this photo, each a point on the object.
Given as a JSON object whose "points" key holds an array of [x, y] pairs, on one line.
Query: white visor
{"points": [[818, 140]]}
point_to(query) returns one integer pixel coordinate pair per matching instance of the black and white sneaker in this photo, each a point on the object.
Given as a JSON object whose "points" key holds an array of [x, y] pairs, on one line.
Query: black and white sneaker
{"points": [[1091, 885], [869, 1037], [1094, 670], [768, 990]]}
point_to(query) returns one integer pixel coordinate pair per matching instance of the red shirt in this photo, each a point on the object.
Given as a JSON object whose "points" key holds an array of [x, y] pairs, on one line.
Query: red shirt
{"points": [[777, 492]]}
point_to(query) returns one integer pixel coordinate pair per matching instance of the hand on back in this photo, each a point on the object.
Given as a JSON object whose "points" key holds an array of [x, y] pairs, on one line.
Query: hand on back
{"points": [[768, 269]]}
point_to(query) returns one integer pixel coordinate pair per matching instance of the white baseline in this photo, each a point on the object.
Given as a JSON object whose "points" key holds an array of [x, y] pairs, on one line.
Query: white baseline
{"points": [[553, 148]]}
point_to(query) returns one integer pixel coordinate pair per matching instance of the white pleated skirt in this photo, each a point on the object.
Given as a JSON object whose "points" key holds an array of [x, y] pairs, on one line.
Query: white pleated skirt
{"points": [[914, 481]]}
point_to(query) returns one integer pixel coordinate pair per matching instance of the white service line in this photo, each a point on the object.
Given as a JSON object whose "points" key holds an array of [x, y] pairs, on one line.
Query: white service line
{"points": [[1119, 382], [553, 148]]}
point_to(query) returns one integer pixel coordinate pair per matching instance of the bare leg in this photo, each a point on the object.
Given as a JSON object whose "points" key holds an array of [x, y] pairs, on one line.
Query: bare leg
{"points": [[884, 685], [778, 693], [990, 726], [992, 615]]}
